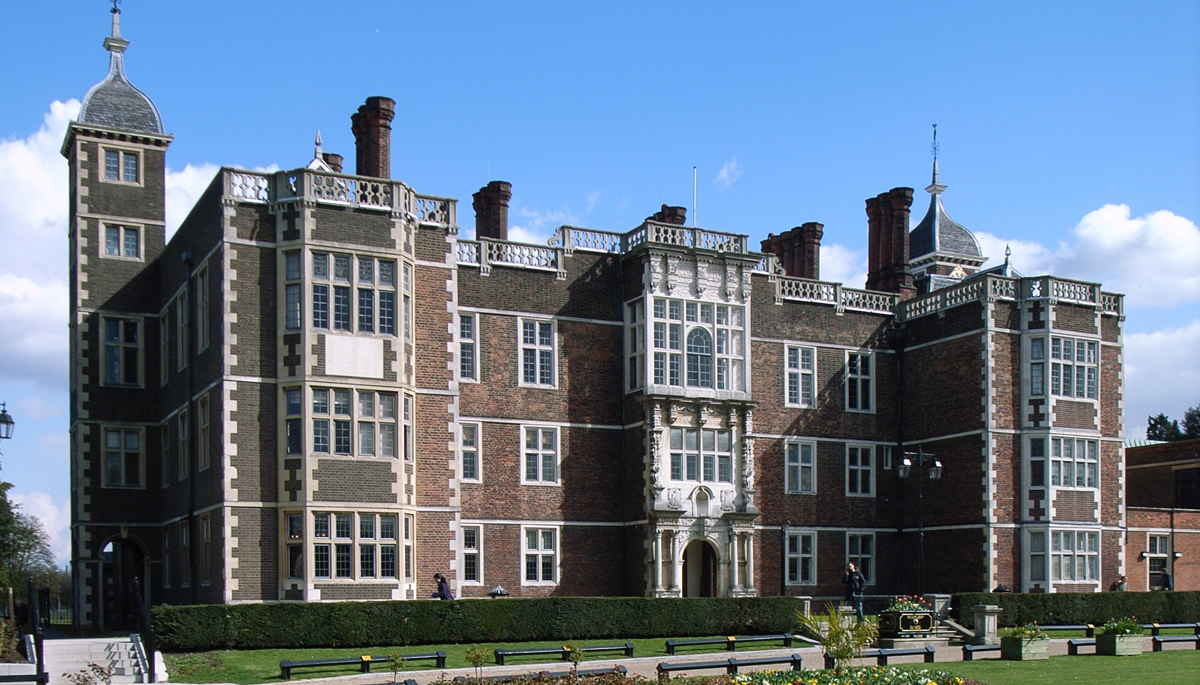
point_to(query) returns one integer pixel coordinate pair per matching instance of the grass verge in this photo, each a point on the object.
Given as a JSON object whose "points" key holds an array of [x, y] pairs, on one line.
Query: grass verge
{"points": [[1175, 667]]}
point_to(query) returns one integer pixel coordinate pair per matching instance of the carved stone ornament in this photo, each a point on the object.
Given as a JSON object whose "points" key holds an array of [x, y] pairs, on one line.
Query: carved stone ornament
{"points": [[673, 412], [655, 459], [727, 500], [672, 273], [655, 270], [731, 280], [747, 462], [674, 498], [702, 413], [749, 427], [701, 282], [733, 412]]}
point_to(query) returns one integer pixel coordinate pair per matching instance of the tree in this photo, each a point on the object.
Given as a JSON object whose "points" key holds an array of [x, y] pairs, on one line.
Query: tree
{"points": [[1162, 428], [1191, 422]]}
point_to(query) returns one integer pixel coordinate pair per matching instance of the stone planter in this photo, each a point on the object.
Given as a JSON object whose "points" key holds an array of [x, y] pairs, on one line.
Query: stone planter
{"points": [[893, 624], [1024, 649], [1118, 645]]}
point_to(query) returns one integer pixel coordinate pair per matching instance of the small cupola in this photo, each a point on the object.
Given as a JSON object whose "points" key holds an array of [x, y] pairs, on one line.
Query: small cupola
{"points": [[114, 102]]}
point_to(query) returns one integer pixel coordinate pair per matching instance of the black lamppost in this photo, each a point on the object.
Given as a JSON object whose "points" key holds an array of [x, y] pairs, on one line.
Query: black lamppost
{"points": [[920, 458]]}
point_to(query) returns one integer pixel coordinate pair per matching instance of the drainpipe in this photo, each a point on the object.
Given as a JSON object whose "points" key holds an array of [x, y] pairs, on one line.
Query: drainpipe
{"points": [[191, 443], [898, 337]]}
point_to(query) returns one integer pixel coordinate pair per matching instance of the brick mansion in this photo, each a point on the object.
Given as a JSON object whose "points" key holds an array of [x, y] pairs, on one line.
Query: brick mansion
{"points": [[320, 390]]}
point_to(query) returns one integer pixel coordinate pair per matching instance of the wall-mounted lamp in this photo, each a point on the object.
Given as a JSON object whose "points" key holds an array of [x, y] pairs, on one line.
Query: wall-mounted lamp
{"points": [[1142, 556], [1178, 555]]}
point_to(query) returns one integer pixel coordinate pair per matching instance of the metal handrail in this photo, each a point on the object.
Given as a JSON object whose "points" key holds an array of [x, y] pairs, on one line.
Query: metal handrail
{"points": [[146, 630]]}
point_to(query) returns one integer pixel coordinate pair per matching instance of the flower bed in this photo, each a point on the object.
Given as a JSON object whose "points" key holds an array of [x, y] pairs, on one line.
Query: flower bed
{"points": [[872, 675]]}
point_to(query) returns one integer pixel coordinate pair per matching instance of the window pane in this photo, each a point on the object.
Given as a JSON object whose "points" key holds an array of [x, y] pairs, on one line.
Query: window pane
{"points": [[112, 165], [132, 242], [131, 167], [341, 308]]}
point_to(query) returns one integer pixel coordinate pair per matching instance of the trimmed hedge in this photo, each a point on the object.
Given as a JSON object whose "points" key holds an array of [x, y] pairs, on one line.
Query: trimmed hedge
{"points": [[372, 624], [1075, 608]]}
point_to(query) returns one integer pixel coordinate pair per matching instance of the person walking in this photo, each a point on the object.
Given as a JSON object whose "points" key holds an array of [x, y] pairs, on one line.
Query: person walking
{"points": [[1121, 585], [1167, 585], [443, 588], [855, 585]]}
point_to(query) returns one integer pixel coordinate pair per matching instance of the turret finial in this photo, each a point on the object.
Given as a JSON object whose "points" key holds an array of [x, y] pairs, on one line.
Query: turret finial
{"points": [[115, 43], [936, 187]]}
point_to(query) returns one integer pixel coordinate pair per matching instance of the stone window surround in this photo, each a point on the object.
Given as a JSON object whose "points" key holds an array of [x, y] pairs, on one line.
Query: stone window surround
{"points": [[538, 348], [123, 152], [477, 551], [355, 541], [471, 343], [800, 372], [141, 455], [869, 377], [477, 447], [122, 228], [795, 488], [521, 437], [121, 345], [870, 468], [857, 559], [798, 556], [556, 551]]}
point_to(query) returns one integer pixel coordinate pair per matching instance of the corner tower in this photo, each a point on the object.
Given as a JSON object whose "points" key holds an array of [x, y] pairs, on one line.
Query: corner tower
{"points": [[116, 153]]}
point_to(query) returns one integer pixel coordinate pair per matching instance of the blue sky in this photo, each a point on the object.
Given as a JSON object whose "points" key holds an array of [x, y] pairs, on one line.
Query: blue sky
{"points": [[1070, 131]]}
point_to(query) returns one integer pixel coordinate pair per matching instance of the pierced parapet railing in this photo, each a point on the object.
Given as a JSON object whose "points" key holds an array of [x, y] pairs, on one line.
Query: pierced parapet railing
{"points": [[869, 300], [586, 239], [468, 252], [670, 234], [519, 254], [807, 291], [1074, 291], [352, 191], [770, 265], [994, 287], [634, 238], [248, 187], [432, 210], [1002, 288], [1111, 303]]}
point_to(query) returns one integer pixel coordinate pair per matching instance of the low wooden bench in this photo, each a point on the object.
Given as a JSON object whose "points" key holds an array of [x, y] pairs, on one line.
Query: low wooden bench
{"points": [[26, 678], [881, 656], [1087, 628], [1074, 645], [970, 650], [1154, 628], [1159, 640], [731, 665], [729, 642], [562, 652], [543, 674], [364, 662]]}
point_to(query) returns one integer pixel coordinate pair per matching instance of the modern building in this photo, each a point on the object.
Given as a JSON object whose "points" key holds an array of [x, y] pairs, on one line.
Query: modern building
{"points": [[320, 390]]}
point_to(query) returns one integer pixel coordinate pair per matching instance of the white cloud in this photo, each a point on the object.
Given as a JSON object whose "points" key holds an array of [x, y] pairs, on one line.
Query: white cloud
{"points": [[728, 175], [38, 408], [55, 519], [1152, 259], [1162, 375], [840, 264], [183, 189], [593, 199], [537, 226]]}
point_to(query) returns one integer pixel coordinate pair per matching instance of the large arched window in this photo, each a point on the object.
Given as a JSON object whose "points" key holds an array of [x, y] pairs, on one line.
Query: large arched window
{"points": [[699, 359]]}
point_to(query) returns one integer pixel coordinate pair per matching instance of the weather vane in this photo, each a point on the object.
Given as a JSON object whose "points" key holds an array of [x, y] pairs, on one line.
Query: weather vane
{"points": [[115, 10], [935, 145]]}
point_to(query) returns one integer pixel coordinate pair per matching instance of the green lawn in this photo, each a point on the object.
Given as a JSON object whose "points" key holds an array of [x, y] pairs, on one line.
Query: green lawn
{"points": [[262, 665], [1180, 667]]}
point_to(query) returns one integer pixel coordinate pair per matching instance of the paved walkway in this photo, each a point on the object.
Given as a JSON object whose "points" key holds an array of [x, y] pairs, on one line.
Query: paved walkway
{"points": [[645, 666]]}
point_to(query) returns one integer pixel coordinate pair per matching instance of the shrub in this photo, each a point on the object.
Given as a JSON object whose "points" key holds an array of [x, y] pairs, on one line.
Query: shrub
{"points": [[1075, 608], [287, 625]]}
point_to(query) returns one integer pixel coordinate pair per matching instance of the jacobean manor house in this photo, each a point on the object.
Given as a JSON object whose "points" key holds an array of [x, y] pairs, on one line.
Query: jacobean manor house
{"points": [[320, 390]]}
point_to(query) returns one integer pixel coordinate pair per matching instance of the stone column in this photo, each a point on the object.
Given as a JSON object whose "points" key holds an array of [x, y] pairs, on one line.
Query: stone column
{"points": [[750, 562], [676, 564], [734, 559], [658, 562]]}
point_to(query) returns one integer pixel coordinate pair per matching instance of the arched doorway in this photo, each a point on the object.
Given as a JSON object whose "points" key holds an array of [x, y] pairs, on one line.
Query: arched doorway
{"points": [[699, 569], [123, 563]]}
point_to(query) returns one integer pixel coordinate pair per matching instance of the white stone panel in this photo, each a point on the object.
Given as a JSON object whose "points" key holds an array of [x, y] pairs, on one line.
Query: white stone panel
{"points": [[353, 356]]}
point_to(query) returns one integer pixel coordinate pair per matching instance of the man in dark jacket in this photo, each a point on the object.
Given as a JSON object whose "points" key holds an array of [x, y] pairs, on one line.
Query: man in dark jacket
{"points": [[855, 585]]}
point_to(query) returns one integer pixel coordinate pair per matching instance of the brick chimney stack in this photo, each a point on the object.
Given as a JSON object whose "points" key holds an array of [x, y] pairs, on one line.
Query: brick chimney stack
{"points": [[798, 250], [676, 216], [372, 128], [887, 242], [334, 160], [491, 210]]}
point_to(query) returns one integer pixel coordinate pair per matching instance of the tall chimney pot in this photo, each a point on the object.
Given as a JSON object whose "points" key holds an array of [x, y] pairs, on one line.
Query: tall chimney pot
{"points": [[372, 128], [491, 210]]}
